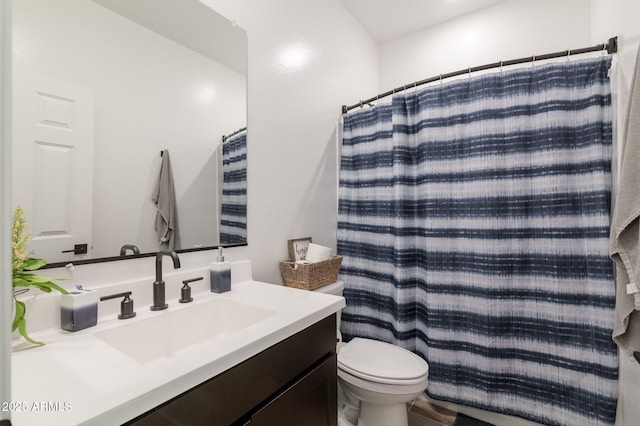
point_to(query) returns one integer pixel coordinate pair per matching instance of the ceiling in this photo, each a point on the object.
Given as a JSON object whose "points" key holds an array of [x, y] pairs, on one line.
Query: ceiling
{"points": [[386, 20]]}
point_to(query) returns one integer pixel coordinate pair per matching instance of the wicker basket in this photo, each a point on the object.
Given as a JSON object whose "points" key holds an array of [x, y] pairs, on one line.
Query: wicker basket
{"points": [[312, 275]]}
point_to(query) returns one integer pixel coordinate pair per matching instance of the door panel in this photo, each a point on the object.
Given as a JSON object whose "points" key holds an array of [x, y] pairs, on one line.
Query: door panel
{"points": [[53, 132]]}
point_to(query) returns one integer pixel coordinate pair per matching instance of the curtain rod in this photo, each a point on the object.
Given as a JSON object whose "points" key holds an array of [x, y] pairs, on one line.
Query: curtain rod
{"points": [[611, 47], [224, 138]]}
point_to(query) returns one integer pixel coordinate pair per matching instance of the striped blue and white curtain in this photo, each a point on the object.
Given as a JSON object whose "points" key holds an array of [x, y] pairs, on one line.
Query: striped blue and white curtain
{"points": [[233, 216], [473, 224]]}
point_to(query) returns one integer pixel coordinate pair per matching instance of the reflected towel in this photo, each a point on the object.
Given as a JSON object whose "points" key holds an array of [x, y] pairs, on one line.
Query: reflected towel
{"points": [[624, 240], [164, 197]]}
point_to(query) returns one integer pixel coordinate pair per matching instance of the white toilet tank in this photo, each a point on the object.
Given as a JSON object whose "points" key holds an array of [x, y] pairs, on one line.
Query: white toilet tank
{"points": [[335, 289]]}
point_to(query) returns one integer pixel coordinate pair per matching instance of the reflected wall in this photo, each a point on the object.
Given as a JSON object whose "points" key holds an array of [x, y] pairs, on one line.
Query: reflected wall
{"points": [[151, 93]]}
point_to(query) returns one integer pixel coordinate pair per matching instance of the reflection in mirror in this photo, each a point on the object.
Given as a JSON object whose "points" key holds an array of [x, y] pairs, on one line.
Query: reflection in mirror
{"points": [[101, 87], [233, 217]]}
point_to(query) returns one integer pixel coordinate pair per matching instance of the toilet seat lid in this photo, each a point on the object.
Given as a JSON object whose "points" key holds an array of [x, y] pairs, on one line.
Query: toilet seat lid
{"points": [[373, 359]]}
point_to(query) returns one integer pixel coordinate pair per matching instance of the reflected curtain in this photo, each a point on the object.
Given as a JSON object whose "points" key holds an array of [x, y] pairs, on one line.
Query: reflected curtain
{"points": [[233, 216], [473, 224]]}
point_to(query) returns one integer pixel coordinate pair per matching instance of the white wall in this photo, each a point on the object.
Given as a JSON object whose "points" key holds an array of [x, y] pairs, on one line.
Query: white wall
{"points": [[506, 30], [616, 18], [294, 107], [150, 94]]}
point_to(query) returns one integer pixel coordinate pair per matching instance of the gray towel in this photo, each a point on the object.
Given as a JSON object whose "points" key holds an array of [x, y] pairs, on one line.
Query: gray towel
{"points": [[624, 247], [164, 197]]}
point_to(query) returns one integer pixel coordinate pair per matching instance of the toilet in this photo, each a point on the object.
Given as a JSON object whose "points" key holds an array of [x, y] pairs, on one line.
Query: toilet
{"points": [[379, 377]]}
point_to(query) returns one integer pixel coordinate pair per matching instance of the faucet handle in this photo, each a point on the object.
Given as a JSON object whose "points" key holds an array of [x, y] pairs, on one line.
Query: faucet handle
{"points": [[185, 292], [132, 247], [126, 306]]}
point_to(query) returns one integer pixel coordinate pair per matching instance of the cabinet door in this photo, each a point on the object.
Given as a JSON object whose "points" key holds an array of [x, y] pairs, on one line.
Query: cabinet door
{"points": [[311, 401]]}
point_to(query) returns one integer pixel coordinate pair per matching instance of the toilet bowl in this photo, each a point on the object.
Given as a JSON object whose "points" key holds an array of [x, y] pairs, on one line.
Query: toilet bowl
{"points": [[379, 377]]}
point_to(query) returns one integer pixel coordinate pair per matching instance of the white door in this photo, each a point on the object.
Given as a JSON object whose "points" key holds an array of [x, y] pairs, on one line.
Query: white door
{"points": [[53, 131]]}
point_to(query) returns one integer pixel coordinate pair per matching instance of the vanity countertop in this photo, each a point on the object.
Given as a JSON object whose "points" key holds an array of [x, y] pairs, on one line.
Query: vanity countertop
{"points": [[77, 378]]}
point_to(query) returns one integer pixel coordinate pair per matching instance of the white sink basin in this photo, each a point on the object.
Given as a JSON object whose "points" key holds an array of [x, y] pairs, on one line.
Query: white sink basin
{"points": [[168, 332]]}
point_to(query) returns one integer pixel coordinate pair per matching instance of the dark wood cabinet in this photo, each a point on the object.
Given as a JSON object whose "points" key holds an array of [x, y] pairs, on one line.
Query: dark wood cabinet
{"points": [[306, 402], [292, 383]]}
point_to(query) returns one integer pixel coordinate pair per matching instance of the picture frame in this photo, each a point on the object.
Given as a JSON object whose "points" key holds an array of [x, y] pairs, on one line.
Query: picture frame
{"points": [[298, 248]]}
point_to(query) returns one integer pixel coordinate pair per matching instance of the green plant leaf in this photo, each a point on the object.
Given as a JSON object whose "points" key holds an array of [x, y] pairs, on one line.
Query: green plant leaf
{"points": [[55, 286], [47, 287], [19, 315], [20, 282], [33, 278], [31, 264], [20, 323], [22, 329], [26, 279], [21, 261]]}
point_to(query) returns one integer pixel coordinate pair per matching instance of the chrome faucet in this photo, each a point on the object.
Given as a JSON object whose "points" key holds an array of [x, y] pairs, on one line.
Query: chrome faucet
{"points": [[158, 286]]}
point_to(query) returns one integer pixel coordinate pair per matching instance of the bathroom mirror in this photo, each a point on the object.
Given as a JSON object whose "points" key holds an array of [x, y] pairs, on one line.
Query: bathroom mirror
{"points": [[101, 87]]}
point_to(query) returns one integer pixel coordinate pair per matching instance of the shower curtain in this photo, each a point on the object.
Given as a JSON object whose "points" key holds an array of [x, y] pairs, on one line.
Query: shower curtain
{"points": [[473, 224], [233, 216]]}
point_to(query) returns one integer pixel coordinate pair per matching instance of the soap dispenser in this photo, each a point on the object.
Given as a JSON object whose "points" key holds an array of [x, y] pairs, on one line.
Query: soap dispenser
{"points": [[220, 274]]}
